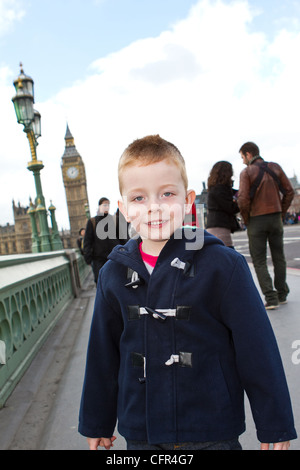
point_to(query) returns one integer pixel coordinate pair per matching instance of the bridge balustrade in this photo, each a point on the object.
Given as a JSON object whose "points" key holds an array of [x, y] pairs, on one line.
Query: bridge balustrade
{"points": [[35, 290]]}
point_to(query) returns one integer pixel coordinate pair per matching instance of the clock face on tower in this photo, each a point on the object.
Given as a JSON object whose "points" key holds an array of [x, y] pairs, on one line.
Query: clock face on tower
{"points": [[72, 172]]}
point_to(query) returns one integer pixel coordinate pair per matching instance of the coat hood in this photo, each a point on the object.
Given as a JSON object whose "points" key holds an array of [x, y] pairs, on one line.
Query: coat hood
{"points": [[191, 241]]}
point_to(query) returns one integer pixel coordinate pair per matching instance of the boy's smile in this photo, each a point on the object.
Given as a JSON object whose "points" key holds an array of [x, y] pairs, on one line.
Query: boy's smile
{"points": [[154, 200]]}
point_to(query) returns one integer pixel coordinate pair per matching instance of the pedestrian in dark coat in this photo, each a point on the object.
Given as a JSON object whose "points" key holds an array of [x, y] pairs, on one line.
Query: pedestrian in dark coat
{"points": [[100, 238], [221, 203]]}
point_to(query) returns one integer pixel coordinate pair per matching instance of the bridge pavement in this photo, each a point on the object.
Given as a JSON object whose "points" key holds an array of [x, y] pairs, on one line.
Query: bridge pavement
{"points": [[42, 412]]}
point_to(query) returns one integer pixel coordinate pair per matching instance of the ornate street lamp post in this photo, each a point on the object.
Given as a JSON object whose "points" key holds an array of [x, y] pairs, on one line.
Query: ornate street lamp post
{"points": [[35, 237], [55, 238], [31, 120], [87, 210]]}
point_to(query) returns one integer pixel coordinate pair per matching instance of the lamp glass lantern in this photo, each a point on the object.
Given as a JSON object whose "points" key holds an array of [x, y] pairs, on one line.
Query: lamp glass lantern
{"points": [[25, 82], [24, 99], [36, 124], [23, 103]]}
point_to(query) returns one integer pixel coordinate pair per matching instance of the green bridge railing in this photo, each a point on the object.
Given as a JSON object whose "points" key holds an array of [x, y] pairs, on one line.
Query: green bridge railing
{"points": [[35, 290]]}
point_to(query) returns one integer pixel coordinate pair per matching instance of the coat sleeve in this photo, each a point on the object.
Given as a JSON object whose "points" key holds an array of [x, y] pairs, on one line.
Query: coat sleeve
{"points": [[98, 408], [257, 357], [244, 201], [88, 244], [289, 192], [223, 198]]}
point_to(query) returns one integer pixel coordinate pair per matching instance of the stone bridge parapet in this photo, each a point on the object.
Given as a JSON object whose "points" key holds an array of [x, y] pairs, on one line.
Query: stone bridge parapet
{"points": [[35, 290]]}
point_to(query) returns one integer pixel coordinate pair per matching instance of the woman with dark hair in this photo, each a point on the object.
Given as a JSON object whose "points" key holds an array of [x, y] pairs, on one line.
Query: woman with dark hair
{"points": [[221, 203]]}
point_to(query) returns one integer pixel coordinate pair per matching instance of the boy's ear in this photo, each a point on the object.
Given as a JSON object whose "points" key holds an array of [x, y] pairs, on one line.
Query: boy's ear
{"points": [[189, 200], [122, 209]]}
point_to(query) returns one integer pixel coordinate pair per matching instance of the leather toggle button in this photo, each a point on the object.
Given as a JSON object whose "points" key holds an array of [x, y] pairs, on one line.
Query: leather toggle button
{"points": [[134, 279], [136, 283], [155, 314], [189, 270], [176, 263], [184, 359]]}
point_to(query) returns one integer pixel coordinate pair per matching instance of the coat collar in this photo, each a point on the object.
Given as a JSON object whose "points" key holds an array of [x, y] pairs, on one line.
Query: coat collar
{"points": [[184, 244], [254, 159]]}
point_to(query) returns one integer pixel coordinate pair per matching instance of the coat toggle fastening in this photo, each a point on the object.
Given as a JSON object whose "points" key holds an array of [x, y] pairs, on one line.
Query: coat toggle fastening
{"points": [[160, 314], [187, 268], [181, 312], [184, 359], [176, 263], [138, 360], [173, 358], [135, 280]]}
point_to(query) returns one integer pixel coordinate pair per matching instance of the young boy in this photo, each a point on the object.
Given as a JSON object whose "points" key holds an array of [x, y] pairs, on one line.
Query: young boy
{"points": [[179, 331]]}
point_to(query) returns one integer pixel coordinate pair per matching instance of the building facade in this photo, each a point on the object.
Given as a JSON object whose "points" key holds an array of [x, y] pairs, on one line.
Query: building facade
{"points": [[16, 238]]}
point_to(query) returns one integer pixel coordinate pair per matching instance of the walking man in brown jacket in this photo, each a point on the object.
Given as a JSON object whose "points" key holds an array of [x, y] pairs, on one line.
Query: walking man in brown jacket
{"points": [[265, 194]]}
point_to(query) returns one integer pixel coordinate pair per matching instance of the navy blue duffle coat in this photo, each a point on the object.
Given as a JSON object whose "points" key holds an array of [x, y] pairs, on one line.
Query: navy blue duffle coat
{"points": [[171, 354]]}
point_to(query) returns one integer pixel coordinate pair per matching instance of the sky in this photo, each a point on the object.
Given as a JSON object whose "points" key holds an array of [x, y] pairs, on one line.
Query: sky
{"points": [[207, 75]]}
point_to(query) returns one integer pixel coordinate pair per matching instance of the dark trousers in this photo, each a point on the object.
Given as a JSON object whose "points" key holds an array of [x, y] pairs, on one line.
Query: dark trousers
{"points": [[96, 266], [263, 230], [232, 444]]}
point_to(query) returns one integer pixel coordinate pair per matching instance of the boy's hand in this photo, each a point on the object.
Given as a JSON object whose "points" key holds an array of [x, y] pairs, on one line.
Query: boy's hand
{"points": [[95, 442], [276, 446]]}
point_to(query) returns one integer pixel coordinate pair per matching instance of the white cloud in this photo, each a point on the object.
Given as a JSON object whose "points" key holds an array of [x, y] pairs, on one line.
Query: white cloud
{"points": [[10, 12], [207, 85]]}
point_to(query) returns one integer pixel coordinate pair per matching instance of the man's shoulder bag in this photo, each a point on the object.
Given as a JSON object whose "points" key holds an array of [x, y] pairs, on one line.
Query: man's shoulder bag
{"points": [[263, 167]]}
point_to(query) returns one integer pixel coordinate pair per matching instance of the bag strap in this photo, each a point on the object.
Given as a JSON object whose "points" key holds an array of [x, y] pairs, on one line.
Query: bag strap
{"points": [[263, 167]]}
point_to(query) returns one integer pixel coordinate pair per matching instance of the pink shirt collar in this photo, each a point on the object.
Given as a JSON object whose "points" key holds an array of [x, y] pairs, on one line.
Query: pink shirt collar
{"points": [[149, 259]]}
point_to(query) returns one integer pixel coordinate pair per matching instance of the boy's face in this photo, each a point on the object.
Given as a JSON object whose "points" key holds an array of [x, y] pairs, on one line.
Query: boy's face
{"points": [[154, 201]]}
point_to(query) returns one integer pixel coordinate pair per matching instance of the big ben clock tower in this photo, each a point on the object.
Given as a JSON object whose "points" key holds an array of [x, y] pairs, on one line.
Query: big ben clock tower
{"points": [[74, 178]]}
